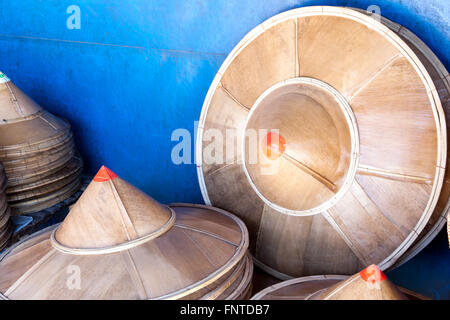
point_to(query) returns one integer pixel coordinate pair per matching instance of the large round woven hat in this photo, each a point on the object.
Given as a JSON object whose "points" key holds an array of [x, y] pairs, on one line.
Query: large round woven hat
{"points": [[37, 151], [118, 243], [338, 142], [369, 284]]}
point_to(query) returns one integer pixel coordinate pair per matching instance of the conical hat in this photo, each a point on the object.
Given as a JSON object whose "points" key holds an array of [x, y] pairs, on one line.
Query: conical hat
{"points": [[352, 173], [15, 105], [131, 215], [23, 123], [369, 284], [128, 246]]}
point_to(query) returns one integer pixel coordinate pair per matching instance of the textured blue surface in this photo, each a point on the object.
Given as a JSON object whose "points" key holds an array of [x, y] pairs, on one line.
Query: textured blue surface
{"points": [[137, 70]]}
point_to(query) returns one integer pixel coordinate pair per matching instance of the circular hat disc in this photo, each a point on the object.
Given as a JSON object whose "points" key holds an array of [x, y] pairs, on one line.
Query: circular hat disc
{"points": [[328, 171]]}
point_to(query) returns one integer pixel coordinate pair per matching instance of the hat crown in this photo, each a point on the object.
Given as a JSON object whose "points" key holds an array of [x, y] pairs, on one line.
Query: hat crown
{"points": [[110, 213]]}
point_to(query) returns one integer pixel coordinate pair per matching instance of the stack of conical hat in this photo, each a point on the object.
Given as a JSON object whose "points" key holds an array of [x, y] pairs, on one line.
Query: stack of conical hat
{"points": [[118, 243], [369, 284], [37, 151], [5, 223]]}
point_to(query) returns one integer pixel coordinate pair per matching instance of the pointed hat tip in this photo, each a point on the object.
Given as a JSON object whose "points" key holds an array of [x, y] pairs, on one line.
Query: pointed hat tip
{"points": [[372, 274], [104, 174]]}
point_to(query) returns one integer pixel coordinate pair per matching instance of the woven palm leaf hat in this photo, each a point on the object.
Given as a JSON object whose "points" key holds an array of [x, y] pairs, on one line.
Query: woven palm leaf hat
{"points": [[122, 244], [37, 151], [345, 175], [5, 223], [369, 284]]}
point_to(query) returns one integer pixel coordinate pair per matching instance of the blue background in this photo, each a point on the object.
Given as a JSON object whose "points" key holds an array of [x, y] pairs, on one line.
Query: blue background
{"points": [[137, 70]]}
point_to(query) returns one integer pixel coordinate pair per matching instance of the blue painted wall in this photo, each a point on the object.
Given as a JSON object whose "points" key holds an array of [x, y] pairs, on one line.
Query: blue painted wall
{"points": [[137, 70]]}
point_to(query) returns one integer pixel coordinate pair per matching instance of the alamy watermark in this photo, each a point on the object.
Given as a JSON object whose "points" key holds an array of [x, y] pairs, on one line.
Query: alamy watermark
{"points": [[74, 20], [223, 147], [73, 281], [375, 12]]}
